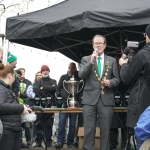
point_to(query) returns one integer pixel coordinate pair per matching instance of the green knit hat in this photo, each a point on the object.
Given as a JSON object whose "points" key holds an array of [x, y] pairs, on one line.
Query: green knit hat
{"points": [[11, 57]]}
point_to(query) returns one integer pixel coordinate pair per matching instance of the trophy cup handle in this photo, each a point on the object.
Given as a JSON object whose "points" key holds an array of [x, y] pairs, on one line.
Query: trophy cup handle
{"points": [[64, 86], [81, 81]]}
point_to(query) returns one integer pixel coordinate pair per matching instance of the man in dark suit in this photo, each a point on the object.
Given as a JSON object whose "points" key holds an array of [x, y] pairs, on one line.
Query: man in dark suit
{"points": [[101, 74]]}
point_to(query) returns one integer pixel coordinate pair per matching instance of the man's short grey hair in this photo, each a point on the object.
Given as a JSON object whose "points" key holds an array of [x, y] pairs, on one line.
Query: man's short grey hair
{"points": [[98, 35]]}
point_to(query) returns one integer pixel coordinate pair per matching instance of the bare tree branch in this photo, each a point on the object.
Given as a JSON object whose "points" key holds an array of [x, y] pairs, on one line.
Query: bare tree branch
{"points": [[2, 10], [3, 5], [28, 3], [49, 2], [22, 6], [1, 1], [7, 8], [12, 6], [56, 2]]}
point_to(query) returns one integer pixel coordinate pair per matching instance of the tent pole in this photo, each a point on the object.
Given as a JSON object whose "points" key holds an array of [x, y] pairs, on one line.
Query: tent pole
{"points": [[5, 52], [70, 46], [121, 41], [82, 42], [111, 37], [133, 31], [67, 48], [110, 33], [41, 45]]}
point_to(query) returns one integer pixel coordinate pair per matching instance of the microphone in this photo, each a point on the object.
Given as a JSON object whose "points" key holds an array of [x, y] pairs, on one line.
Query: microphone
{"points": [[96, 50], [37, 108], [126, 52]]}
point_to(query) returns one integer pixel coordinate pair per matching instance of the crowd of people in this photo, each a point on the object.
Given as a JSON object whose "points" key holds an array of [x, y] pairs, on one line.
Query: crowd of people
{"points": [[101, 76], [24, 91]]}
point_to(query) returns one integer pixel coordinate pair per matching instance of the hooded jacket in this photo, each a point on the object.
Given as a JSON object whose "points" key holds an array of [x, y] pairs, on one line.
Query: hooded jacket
{"points": [[48, 84], [10, 110], [137, 73]]}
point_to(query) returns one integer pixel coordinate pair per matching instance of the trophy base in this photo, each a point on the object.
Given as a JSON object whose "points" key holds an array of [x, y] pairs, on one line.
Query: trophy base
{"points": [[73, 107]]}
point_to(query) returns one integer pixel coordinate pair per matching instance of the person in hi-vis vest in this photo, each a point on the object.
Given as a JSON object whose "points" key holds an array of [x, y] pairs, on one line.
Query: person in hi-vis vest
{"points": [[24, 99], [23, 87]]}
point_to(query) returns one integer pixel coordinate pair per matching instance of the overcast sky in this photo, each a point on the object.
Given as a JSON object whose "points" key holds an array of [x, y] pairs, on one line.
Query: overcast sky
{"points": [[30, 58]]}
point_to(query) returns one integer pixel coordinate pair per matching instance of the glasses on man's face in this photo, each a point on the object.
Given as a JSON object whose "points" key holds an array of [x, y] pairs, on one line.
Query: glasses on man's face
{"points": [[144, 34], [99, 44]]}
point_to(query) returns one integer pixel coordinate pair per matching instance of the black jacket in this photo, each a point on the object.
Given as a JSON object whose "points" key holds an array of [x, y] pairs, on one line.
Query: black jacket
{"points": [[15, 86], [10, 110], [137, 73], [60, 91], [48, 84]]}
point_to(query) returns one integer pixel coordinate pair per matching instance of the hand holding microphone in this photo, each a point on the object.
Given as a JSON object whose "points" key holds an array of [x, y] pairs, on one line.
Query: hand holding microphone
{"points": [[36, 108], [94, 55], [26, 110], [126, 53], [124, 58]]}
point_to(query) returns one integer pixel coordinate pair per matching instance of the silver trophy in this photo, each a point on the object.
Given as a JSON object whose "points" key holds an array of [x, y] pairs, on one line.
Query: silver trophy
{"points": [[73, 90]]}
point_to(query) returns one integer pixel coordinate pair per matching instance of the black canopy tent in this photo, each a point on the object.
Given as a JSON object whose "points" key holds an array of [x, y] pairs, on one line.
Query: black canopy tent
{"points": [[69, 27]]}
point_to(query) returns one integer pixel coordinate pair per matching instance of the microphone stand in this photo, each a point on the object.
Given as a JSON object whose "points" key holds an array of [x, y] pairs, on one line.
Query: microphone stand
{"points": [[34, 124]]}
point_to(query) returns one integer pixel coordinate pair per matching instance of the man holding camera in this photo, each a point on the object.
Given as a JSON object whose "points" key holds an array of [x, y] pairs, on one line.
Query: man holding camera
{"points": [[137, 73]]}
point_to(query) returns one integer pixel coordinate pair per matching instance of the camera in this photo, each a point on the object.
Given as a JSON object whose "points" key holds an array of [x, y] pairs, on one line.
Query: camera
{"points": [[132, 44]]}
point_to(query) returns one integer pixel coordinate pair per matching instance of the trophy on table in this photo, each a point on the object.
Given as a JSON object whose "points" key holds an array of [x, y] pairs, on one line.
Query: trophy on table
{"points": [[73, 90]]}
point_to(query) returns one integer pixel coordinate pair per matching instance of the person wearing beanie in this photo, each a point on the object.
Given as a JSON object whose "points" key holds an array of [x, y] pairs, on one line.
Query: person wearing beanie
{"points": [[12, 60], [43, 87], [45, 67], [147, 31], [137, 75]]}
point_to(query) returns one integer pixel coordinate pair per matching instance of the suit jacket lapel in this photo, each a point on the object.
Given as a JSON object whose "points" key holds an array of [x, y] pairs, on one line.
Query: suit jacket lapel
{"points": [[95, 63], [104, 69]]}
